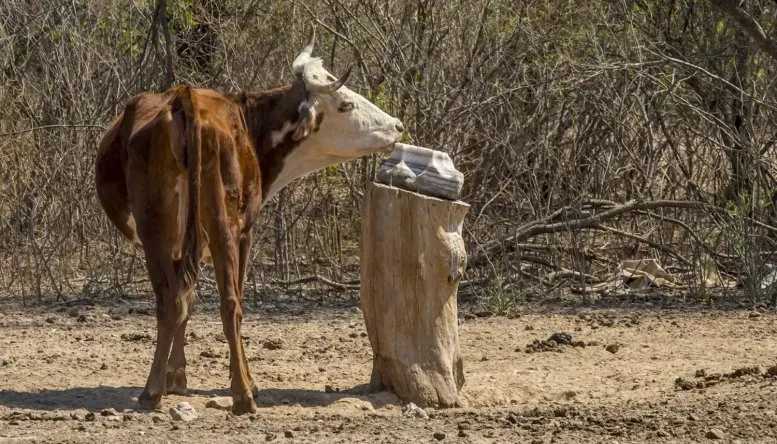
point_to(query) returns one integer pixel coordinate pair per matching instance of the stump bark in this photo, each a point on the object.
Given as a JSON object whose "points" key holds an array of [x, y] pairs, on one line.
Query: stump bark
{"points": [[412, 259]]}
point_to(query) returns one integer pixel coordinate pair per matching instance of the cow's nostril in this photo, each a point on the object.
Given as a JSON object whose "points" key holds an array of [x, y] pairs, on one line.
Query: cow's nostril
{"points": [[399, 127]]}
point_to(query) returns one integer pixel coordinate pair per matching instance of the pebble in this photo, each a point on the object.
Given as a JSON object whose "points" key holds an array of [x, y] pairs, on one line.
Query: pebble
{"points": [[220, 403], [439, 436], [183, 412], [273, 344], [356, 403], [413, 411], [715, 434]]}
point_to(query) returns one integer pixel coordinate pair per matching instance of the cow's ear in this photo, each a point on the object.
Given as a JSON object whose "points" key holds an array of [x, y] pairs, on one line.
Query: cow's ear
{"points": [[301, 132], [307, 120]]}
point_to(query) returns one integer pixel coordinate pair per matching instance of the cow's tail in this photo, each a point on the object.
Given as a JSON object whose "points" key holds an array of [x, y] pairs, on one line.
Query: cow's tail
{"points": [[192, 245]]}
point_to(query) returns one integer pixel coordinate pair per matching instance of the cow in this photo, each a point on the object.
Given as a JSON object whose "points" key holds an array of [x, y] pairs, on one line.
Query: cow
{"points": [[183, 175]]}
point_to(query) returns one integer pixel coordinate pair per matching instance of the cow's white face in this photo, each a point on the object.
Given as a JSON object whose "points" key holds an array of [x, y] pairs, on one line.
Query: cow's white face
{"points": [[351, 125]]}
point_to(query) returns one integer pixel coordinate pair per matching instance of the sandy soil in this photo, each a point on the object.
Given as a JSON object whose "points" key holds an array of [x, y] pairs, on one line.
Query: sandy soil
{"points": [[60, 363]]}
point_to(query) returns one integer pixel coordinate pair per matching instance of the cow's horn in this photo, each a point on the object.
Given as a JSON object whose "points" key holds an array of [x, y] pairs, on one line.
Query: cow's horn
{"points": [[302, 59], [318, 87]]}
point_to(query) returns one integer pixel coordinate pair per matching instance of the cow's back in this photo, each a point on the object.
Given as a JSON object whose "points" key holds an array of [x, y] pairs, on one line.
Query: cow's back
{"points": [[141, 161]]}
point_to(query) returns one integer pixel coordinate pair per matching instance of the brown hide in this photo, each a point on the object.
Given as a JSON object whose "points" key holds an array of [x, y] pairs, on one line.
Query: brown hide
{"points": [[184, 170]]}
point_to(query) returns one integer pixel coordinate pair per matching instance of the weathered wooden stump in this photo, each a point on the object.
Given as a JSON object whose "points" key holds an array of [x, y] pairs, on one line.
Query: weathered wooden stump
{"points": [[412, 259]]}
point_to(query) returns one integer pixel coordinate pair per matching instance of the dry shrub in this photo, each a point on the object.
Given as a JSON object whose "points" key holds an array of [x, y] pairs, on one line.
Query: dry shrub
{"points": [[544, 105]]}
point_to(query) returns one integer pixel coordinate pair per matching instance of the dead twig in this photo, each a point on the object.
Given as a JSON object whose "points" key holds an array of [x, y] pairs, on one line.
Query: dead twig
{"points": [[350, 285], [57, 126]]}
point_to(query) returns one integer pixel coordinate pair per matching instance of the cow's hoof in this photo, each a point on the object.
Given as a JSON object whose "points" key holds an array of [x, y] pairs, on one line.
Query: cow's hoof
{"points": [[255, 392], [243, 404], [176, 383], [147, 401]]}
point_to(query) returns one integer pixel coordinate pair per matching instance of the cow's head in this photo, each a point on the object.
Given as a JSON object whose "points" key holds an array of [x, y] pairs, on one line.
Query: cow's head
{"points": [[351, 125], [335, 125]]}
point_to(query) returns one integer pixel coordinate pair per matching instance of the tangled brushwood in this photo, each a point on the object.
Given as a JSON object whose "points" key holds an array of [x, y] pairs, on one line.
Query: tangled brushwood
{"points": [[591, 135]]}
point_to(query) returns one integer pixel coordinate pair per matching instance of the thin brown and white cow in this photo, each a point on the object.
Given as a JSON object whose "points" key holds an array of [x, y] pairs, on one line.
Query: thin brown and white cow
{"points": [[184, 174]]}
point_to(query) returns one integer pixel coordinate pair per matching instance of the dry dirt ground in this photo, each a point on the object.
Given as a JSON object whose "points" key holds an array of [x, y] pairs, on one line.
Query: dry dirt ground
{"points": [[59, 364]]}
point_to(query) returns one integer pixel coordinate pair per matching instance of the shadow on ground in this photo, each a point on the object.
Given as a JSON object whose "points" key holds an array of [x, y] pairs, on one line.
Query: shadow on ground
{"points": [[120, 398], [89, 398]]}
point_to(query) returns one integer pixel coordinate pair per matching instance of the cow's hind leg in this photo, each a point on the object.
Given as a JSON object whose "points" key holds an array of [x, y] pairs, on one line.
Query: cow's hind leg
{"points": [[176, 365], [169, 314]]}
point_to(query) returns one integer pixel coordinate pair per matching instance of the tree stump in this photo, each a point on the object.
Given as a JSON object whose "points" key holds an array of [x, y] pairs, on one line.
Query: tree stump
{"points": [[412, 259]]}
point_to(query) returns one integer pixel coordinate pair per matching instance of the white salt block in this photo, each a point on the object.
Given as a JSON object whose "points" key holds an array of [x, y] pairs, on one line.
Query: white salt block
{"points": [[421, 170]]}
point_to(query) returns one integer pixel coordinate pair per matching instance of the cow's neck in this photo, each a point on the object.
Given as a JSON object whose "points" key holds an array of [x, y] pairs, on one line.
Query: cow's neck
{"points": [[270, 118], [305, 158]]}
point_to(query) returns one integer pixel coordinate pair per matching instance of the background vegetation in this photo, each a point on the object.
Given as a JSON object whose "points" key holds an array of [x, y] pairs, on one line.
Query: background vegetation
{"points": [[588, 133]]}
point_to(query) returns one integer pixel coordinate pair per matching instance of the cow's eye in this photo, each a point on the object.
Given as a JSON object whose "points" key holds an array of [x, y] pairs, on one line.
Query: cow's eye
{"points": [[345, 107]]}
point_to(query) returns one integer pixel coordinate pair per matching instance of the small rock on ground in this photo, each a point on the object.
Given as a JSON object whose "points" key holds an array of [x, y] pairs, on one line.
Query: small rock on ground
{"points": [[413, 411], [439, 436], [273, 344], [220, 403], [183, 412], [356, 403], [715, 434]]}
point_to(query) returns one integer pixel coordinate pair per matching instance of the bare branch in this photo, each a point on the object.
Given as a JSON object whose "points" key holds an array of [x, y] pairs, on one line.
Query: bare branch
{"points": [[734, 9]]}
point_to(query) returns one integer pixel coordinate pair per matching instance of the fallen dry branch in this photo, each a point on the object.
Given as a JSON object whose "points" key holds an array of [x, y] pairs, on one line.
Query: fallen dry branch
{"points": [[354, 283], [593, 221], [349, 285], [565, 273], [644, 240]]}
